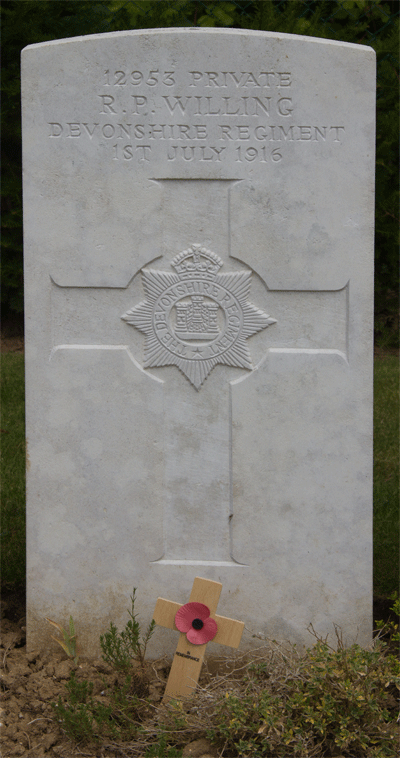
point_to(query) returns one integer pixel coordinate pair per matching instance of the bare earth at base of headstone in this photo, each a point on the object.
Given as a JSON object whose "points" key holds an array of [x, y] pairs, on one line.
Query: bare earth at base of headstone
{"points": [[29, 726]]}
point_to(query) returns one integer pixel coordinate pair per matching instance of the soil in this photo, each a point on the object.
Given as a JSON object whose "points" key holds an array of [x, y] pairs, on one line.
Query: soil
{"points": [[30, 682], [12, 334], [12, 344]]}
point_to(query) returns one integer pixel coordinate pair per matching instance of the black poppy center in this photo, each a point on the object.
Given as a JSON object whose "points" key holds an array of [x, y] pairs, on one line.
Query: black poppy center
{"points": [[197, 624]]}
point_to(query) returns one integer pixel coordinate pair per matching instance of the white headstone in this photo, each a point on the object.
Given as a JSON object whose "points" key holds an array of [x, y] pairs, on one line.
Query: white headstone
{"points": [[199, 288]]}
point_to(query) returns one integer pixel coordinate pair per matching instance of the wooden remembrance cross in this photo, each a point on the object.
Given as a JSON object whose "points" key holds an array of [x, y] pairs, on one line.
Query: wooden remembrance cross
{"points": [[188, 658]]}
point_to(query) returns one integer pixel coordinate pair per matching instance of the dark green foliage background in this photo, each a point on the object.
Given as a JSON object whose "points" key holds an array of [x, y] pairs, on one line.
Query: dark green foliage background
{"points": [[364, 22]]}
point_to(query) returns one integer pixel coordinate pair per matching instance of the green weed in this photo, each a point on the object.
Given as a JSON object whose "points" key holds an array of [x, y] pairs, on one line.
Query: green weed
{"points": [[82, 718], [68, 643], [86, 719], [78, 692], [120, 648], [329, 702], [388, 632], [162, 750]]}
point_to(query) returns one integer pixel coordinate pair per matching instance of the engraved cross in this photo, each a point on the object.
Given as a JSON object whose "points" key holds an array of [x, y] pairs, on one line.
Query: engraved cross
{"points": [[196, 426]]}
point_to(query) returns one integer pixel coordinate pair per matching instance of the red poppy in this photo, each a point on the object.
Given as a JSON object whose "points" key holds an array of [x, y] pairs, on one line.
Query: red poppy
{"points": [[194, 620]]}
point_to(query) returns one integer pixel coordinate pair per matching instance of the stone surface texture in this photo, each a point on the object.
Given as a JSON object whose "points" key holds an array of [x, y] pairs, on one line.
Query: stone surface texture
{"points": [[198, 209]]}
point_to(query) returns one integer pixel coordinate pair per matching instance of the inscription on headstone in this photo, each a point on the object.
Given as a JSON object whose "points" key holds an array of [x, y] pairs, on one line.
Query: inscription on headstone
{"points": [[198, 257]]}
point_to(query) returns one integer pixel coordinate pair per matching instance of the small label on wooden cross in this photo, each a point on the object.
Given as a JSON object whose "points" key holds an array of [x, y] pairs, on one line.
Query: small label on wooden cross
{"points": [[186, 666], [192, 658]]}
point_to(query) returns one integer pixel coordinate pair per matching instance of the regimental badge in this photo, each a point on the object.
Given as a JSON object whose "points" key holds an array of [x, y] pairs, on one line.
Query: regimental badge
{"points": [[197, 317]]}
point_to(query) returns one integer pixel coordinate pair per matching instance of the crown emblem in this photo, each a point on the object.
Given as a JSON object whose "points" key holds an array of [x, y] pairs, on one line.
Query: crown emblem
{"points": [[198, 261]]}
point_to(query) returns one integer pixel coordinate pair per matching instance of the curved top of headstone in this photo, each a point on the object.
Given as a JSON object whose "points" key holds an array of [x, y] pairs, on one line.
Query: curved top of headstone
{"points": [[202, 31]]}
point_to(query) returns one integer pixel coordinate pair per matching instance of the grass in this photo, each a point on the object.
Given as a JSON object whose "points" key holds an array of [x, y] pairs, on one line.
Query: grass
{"points": [[12, 470], [386, 473]]}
